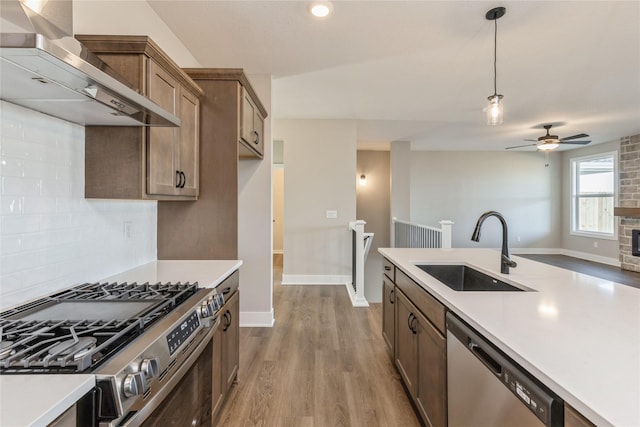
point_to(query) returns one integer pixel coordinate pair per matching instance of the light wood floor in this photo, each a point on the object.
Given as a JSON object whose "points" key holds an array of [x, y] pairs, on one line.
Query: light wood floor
{"points": [[323, 364]]}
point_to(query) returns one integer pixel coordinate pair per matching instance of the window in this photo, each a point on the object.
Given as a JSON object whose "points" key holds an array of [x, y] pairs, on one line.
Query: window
{"points": [[593, 195]]}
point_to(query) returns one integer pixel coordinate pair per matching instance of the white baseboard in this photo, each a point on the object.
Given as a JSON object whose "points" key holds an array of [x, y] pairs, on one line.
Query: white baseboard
{"points": [[314, 279], [591, 257], [576, 254], [355, 300], [257, 319], [537, 251]]}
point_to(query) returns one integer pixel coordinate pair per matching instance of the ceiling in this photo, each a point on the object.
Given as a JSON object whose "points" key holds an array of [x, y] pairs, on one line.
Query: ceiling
{"points": [[421, 71]]}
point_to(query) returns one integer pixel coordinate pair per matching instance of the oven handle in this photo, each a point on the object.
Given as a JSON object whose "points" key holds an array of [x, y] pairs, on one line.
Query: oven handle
{"points": [[139, 417]]}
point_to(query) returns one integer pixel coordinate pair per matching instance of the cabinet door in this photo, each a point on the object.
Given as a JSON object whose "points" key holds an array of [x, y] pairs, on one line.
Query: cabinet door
{"points": [[388, 314], [406, 342], [251, 126], [218, 382], [431, 397], [162, 167], [230, 345], [189, 142]]}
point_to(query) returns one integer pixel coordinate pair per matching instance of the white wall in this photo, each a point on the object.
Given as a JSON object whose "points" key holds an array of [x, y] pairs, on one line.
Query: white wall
{"points": [[130, 18], [51, 237], [373, 206], [401, 180], [460, 186], [278, 208], [607, 250], [255, 225], [320, 175]]}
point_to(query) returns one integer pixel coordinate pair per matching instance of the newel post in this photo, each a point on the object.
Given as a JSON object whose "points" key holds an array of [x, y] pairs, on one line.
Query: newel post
{"points": [[446, 224]]}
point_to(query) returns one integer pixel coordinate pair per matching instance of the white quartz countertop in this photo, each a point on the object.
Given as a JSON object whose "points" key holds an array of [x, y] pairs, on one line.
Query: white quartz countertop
{"points": [[208, 273], [37, 400], [578, 334]]}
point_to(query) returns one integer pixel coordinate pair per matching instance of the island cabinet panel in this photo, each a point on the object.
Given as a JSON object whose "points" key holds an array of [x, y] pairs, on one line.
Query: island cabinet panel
{"points": [[573, 418], [432, 374], [388, 314], [420, 348], [157, 163], [422, 361], [434, 311], [406, 343], [389, 269]]}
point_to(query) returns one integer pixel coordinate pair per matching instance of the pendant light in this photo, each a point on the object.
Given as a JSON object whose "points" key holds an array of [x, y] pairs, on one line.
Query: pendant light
{"points": [[495, 109]]}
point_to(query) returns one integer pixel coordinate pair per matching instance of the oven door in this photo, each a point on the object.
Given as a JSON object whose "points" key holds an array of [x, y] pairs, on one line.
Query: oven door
{"points": [[186, 398]]}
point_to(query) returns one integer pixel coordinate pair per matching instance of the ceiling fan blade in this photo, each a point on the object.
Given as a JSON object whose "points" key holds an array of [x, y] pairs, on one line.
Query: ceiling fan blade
{"points": [[520, 146], [580, 135], [533, 140], [575, 142]]}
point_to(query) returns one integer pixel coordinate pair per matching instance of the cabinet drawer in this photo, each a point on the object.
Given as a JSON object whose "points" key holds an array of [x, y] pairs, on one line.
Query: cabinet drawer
{"points": [[229, 285], [389, 269], [430, 307]]}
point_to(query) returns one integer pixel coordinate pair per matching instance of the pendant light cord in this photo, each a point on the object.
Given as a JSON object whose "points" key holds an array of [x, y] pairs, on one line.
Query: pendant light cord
{"points": [[495, 57]]}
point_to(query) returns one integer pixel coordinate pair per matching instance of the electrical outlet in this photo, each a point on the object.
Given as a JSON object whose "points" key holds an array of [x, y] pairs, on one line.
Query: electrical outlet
{"points": [[518, 239], [595, 244], [126, 230], [332, 214]]}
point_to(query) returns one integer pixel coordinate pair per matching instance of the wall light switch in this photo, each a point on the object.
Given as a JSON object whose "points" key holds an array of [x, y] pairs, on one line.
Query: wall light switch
{"points": [[332, 214]]}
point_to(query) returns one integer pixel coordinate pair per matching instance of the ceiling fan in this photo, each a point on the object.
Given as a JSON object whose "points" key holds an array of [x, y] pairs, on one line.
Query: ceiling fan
{"points": [[550, 142]]}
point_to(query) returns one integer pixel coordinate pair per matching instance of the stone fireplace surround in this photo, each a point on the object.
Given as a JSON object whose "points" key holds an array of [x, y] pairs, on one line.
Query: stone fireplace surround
{"points": [[629, 197]]}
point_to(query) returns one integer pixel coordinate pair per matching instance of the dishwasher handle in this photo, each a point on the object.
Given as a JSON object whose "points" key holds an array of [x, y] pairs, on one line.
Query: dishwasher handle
{"points": [[488, 361]]}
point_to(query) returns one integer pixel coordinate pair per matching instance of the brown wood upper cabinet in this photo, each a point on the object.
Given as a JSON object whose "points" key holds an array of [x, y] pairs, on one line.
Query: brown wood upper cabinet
{"points": [[251, 128], [159, 163]]}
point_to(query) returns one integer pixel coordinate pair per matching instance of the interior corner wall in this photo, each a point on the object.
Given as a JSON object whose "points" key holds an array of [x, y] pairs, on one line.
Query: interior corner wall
{"points": [[401, 180], [320, 176], [254, 224], [373, 206], [607, 250], [460, 186], [132, 17]]}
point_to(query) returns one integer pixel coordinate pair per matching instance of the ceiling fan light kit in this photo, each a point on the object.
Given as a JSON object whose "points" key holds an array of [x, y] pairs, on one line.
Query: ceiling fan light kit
{"points": [[548, 142], [495, 109]]}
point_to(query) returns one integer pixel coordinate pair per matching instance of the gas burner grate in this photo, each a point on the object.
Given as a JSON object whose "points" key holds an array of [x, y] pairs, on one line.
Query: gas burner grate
{"points": [[44, 337]]}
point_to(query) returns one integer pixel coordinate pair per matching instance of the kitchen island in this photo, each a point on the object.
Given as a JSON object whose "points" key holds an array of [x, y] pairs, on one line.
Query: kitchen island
{"points": [[37, 400], [577, 334]]}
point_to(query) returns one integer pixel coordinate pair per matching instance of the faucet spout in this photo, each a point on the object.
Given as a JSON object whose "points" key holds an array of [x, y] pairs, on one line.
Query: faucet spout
{"points": [[505, 261]]}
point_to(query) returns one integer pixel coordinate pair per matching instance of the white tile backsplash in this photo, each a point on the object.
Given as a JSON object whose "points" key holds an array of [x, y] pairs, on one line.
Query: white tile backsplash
{"points": [[51, 237]]}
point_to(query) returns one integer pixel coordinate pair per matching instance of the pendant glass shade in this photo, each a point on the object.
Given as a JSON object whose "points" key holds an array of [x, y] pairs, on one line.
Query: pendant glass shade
{"points": [[495, 110]]}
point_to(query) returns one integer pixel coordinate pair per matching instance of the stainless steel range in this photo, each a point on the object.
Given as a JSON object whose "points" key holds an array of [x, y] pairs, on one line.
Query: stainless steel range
{"points": [[138, 340]]}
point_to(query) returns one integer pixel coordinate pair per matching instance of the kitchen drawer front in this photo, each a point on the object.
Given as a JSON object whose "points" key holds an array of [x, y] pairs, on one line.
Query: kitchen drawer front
{"points": [[427, 304], [229, 286], [389, 269]]}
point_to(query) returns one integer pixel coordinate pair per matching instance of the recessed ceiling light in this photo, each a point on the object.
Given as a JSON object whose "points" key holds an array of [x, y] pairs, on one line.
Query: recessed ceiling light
{"points": [[320, 9]]}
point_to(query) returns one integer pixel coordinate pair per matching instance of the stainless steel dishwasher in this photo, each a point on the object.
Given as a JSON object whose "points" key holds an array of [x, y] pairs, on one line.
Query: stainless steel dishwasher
{"points": [[487, 389]]}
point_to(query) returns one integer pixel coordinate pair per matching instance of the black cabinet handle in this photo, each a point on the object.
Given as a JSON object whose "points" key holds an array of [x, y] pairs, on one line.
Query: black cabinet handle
{"points": [[391, 293], [387, 268], [184, 179], [179, 179], [413, 328], [256, 140], [226, 291], [409, 321], [227, 318]]}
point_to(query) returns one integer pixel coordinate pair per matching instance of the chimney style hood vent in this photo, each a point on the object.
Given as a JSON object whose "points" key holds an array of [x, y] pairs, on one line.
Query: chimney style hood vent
{"points": [[63, 79]]}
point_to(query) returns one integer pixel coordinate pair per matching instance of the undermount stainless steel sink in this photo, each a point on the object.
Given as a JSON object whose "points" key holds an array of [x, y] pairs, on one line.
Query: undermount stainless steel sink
{"points": [[466, 279]]}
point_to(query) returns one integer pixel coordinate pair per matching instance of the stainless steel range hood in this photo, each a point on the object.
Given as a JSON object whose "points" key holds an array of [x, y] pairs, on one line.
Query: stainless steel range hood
{"points": [[63, 79]]}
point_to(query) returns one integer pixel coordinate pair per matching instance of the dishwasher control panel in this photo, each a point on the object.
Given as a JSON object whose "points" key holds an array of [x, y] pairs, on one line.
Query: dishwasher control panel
{"points": [[528, 393]]}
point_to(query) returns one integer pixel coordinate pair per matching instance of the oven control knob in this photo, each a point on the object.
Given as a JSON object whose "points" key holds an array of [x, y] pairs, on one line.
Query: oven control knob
{"points": [[150, 367], [134, 384], [205, 310]]}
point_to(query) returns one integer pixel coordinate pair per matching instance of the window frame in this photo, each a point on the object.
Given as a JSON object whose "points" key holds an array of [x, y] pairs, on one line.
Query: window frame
{"points": [[574, 196]]}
